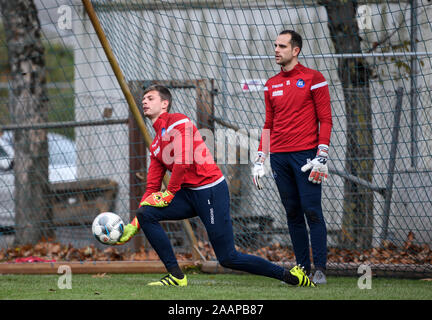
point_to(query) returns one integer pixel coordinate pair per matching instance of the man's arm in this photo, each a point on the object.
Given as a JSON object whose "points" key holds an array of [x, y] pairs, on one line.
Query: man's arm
{"points": [[258, 170], [179, 136], [183, 154], [155, 175], [264, 145], [321, 96]]}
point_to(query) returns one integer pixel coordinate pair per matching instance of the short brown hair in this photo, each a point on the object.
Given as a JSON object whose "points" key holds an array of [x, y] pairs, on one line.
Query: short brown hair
{"points": [[163, 91], [296, 38]]}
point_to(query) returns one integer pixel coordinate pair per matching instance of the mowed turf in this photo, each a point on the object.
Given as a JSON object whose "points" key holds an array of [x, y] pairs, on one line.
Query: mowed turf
{"points": [[204, 287]]}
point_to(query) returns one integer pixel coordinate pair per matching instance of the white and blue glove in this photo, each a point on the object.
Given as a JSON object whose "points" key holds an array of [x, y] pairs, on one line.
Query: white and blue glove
{"points": [[318, 166], [258, 170]]}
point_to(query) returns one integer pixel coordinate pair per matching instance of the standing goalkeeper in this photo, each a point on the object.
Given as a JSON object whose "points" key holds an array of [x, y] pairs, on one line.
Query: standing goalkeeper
{"points": [[196, 188], [298, 127]]}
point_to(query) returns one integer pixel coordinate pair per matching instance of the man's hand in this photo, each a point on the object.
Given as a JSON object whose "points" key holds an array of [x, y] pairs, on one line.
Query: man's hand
{"points": [[258, 170], [319, 172], [158, 199], [129, 231]]}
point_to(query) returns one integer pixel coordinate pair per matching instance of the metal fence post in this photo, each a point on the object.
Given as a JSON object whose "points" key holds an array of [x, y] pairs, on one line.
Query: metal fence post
{"points": [[392, 163]]}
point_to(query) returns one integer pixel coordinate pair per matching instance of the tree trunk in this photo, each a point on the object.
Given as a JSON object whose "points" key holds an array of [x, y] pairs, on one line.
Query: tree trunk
{"points": [[27, 105], [357, 220]]}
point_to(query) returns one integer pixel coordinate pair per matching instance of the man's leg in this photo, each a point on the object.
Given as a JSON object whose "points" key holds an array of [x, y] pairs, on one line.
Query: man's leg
{"points": [[310, 199], [149, 217], [287, 186], [212, 205]]}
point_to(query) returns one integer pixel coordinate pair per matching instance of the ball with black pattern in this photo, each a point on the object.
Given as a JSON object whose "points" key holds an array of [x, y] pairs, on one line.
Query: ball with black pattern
{"points": [[108, 228]]}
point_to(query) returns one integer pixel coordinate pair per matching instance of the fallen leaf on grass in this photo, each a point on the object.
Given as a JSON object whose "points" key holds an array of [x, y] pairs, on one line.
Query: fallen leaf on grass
{"points": [[101, 275]]}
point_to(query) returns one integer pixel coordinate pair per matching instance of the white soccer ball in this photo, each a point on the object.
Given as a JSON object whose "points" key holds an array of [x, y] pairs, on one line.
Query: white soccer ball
{"points": [[108, 228]]}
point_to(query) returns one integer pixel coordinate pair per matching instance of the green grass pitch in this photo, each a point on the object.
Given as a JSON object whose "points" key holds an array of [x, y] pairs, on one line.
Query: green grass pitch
{"points": [[204, 287]]}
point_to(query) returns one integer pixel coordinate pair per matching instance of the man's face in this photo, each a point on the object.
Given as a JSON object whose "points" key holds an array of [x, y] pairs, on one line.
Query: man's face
{"points": [[153, 105], [284, 52]]}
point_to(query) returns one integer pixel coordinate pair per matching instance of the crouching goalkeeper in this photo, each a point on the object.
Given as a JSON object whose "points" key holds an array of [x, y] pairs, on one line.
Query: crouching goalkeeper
{"points": [[197, 187]]}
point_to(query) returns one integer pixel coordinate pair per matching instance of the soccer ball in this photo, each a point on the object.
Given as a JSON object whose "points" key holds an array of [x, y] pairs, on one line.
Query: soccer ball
{"points": [[108, 228]]}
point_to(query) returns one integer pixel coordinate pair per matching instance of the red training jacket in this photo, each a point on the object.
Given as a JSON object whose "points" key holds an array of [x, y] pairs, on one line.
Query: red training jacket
{"points": [[298, 111], [179, 148]]}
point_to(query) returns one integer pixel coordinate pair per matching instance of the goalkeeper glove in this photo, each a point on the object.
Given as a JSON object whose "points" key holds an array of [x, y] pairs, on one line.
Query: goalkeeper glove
{"points": [[318, 165], [129, 231], [158, 199], [258, 170]]}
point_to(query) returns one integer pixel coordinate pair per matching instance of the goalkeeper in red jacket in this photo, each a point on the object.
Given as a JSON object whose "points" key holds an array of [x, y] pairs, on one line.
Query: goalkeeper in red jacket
{"points": [[197, 187], [296, 134]]}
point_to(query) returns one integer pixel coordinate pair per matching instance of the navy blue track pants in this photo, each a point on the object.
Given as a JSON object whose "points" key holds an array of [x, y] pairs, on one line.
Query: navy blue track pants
{"points": [[301, 198], [212, 205]]}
